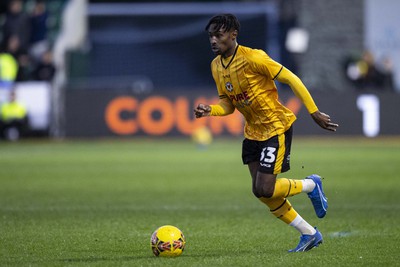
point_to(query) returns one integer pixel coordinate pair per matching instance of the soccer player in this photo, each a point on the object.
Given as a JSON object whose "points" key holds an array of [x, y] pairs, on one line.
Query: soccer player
{"points": [[245, 81]]}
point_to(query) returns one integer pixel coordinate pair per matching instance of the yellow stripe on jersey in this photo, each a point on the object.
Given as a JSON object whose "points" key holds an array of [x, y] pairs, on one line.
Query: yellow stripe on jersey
{"points": [[281, 154]]}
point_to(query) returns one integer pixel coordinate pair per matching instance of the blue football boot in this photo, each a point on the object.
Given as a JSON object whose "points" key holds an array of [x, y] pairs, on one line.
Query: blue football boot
{"points": [[317, 196], [307, 242]]}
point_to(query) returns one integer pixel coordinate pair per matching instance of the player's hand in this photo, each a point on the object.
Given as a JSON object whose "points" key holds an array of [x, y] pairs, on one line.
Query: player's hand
{"points": [[202, 111], [324, 120]]}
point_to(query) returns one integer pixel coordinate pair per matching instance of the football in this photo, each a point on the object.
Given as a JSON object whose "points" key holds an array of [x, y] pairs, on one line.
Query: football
{"points": [[167, 241]]}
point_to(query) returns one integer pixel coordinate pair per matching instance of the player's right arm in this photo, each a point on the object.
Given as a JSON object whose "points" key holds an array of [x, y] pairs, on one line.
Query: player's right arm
{"points": [[223, 108], [202, 110]]}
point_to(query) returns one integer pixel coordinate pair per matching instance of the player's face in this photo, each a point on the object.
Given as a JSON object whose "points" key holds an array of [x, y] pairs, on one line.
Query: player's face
{"points": [[222, 42]]}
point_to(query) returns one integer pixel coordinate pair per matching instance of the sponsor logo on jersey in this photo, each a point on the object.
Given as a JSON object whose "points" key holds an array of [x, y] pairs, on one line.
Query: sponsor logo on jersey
{"points": [[241, 99], [266, 165]]}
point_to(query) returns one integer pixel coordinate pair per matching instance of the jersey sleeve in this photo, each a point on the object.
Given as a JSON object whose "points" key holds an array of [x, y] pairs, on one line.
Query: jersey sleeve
{"points": [[297, 86], [265, 65], [223, 108]]}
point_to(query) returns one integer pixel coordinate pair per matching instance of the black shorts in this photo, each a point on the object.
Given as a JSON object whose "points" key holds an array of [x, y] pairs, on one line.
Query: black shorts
{"points": [[272, 154]]}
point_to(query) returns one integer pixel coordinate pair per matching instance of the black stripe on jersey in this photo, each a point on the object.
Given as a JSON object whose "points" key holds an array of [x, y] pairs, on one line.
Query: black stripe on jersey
{"points": [[222, 96], [278, 73], [230, 61]]}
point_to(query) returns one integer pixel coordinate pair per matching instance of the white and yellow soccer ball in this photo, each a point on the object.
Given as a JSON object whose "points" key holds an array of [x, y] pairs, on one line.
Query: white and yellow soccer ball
{"points": [[167, 241]]}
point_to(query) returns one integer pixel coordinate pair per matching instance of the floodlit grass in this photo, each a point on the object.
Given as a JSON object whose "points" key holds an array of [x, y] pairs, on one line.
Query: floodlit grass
{"points": [[97, 202]]}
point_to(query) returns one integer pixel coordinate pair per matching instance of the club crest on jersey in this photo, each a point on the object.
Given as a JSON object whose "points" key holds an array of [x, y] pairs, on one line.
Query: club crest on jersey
{"points": [[229, 87]]}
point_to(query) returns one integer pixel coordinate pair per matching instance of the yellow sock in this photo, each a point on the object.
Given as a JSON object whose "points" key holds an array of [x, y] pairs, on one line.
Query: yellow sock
{"points": [[287, 187], [278, 204], [281, 208]]}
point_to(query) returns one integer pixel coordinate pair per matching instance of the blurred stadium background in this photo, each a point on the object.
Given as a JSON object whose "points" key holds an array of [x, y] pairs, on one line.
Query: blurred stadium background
{"points": [[135, 68]]}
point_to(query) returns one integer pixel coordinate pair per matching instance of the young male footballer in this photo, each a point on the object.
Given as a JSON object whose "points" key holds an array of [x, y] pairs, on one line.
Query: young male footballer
{"points": [[245, 81]]}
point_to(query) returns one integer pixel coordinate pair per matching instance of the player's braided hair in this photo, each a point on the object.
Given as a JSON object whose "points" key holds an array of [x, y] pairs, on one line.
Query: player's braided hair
{"points": [[226, 21]]}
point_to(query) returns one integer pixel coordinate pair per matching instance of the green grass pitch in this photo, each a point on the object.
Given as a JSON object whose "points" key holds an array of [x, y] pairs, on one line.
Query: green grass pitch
{"points": [[97, 202]]}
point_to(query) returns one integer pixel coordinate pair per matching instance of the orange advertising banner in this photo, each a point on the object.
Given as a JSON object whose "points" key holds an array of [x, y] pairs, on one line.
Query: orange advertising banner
{"points": [[159, 115]]}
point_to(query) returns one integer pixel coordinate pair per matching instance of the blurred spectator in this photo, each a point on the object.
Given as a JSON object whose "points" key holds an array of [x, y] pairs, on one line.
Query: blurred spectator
{"points": [[24, 37], [17, 23], [367, 74], [45, 70], [370, 77], [13, 119], [385, 68], [38, 41], [21, 55], [8, 69]]}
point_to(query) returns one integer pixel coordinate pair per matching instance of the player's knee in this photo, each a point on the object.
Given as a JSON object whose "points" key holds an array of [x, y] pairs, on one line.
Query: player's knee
{"points": [[256, 193], [263, 191], [268, 192]]}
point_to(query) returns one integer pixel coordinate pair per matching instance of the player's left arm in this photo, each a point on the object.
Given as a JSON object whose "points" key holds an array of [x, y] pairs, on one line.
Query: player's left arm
{"points": [[299, 89]]}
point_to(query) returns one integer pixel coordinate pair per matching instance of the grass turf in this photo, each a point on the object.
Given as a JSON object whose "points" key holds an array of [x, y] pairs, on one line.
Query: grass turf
{"points": [[96, 203]]}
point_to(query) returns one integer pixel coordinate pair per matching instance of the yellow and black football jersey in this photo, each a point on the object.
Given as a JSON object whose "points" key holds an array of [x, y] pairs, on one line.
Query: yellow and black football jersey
{"points": [[245, 81]]}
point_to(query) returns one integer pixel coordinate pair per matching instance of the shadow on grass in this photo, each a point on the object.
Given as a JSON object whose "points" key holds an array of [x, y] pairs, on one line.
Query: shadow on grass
{"points": [[131, 258], [99, 259]]}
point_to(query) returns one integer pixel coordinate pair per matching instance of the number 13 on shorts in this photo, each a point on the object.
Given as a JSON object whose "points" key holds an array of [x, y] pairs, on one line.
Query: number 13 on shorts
{"points": [[267, 156], [274, 160]]}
